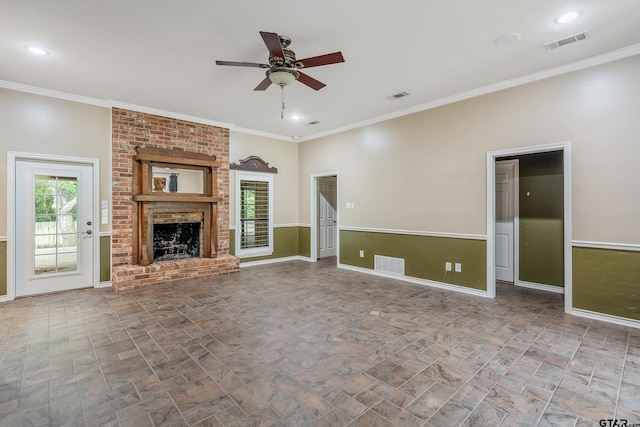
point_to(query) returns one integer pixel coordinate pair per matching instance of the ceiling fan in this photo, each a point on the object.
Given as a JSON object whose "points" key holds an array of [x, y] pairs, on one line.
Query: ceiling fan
{"points": [[283, 67]]}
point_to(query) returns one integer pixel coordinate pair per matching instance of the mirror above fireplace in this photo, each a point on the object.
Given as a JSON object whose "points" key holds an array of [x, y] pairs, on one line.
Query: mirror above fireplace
{"points": [[177, 180]]}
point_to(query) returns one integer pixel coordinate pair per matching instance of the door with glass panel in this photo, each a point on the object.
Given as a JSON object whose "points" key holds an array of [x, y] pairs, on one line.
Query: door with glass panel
{"points": [[54, 228]]}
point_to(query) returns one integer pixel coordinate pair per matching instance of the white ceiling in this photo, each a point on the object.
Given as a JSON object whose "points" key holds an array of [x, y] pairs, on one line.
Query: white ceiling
{"points": [[161, 54]]}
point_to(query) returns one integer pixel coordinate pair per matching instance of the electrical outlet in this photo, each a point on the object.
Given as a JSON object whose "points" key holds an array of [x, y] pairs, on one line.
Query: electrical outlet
{"points": [[361, 254], [447, 266], [458, 267]]}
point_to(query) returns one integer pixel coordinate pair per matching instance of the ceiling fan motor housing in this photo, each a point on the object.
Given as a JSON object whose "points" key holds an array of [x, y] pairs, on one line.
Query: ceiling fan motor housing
{"points": [[288, 61]]}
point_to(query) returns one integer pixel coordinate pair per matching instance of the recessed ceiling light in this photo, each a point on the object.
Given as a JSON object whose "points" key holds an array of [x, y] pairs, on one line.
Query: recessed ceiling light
{"points": [[295, 117], [568, 17], [507, 39], [37, 50]]}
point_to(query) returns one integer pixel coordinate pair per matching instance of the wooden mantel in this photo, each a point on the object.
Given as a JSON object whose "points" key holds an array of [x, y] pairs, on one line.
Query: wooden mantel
{"points": [[146, 201]]}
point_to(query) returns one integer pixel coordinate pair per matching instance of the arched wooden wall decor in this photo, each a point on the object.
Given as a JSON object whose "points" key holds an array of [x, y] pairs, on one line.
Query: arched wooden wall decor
{"points": [[253, 164]]}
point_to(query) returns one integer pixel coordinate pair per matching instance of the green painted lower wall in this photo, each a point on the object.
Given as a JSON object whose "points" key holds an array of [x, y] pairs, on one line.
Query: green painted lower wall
{"points": [[542, 251], [607, 281], [304, 241], [424, 256], [286, 243], [105, 258], [3, 268], [604, 280]]}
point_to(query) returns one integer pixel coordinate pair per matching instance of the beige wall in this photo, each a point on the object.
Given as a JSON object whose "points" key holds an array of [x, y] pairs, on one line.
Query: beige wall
{"points": [[280, 154], [39, 124], [427, 171]]}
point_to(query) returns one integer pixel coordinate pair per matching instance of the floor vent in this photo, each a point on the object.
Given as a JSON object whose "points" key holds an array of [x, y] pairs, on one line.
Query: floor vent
{"points": [[565, 41], [387, 264]]}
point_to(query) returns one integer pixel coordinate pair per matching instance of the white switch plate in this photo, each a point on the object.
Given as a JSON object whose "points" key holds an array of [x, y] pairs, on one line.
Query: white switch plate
{"points": [[361, 254], [447, 266], [458, 267]]}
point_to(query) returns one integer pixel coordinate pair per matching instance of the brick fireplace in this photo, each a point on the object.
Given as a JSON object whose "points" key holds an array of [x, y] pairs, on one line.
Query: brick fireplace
{"points": [[136, 210]]}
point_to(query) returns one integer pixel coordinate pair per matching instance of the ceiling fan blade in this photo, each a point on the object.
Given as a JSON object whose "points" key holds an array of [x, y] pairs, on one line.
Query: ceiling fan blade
{"points": [[310, 81], [316, 61], [264, 84], [272, 40], [242, 64]]}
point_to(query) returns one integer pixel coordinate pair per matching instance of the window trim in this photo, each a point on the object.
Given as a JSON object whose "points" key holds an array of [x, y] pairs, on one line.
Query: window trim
{"points": [[261, 251]]}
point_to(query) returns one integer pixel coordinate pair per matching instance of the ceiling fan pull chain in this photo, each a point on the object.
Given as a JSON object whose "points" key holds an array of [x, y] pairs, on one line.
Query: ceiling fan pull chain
{"points": [[282, 97]]}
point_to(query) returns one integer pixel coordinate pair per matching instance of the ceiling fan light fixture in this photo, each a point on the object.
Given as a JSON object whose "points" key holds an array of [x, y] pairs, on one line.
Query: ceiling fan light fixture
{"points": [[282, 77]]}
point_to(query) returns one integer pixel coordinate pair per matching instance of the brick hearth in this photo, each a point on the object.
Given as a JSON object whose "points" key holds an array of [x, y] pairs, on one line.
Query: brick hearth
{"points": [[126, 277]]}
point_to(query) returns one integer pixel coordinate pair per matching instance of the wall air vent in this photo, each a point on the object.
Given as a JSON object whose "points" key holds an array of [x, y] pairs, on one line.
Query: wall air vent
{"points": [[397, 96], [565, 41], [315, 122], [387, 264]]}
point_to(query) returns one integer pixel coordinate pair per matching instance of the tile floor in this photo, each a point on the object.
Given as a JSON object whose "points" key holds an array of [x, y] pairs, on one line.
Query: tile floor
{"points": [[296, 344]]}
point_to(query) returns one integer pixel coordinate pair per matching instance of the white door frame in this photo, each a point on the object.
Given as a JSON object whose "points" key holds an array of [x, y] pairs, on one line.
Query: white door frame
{"points": [[492, 156], [315, 222], [12, 158], [516, 218]]}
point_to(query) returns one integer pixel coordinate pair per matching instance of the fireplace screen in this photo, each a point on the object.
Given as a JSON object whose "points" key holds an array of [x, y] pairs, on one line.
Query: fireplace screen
{"points": [[176, 241]]}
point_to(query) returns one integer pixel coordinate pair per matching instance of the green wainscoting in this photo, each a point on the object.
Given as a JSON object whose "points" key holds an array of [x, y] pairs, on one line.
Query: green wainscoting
{"points": [[286, 243], [424, 256], [304, 241], [3, 268], [607, 281], [542, 251], [105, 258]]}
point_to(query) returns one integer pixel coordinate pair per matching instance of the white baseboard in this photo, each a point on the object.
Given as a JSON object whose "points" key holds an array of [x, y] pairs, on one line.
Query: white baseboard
{"points": [[540, 287], [274, 260], [622, 321], [424, 282], [5, 298], [104, 285]]}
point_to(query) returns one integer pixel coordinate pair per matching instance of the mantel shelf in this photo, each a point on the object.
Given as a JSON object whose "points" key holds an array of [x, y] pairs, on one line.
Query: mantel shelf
{"points": [[172, 197]]}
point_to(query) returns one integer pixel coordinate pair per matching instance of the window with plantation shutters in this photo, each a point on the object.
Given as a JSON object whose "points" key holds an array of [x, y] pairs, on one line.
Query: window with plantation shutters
{"points": [[254, 222]]}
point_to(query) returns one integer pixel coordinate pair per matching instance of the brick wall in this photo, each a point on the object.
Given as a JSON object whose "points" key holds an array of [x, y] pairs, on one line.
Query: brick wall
{"points": [[131, 129]]}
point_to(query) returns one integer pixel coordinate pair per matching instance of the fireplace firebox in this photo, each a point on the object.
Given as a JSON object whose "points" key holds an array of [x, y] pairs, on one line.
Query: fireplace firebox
{"points": [[176, 240]]}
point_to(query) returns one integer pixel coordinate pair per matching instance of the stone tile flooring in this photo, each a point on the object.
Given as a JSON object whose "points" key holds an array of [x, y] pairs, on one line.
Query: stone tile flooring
{"points": [[296, 344]]}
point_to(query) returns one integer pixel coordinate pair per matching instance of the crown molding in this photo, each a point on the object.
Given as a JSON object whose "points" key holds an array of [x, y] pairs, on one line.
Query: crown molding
{"points": [[53, 93]]}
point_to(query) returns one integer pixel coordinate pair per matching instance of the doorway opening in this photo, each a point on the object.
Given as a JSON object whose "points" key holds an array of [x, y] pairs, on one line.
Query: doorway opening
{"points": [[529, 233], [324, 217]]}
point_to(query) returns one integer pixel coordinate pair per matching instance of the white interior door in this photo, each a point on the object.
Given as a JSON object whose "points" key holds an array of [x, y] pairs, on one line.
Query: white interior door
{"points": [[327, 196], [53, 227], [505, 220]]}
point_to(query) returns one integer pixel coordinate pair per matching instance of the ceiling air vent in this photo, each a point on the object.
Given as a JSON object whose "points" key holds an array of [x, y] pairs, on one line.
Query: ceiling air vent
{"points": [[566, 40], [315, 122], [397, 96]]}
